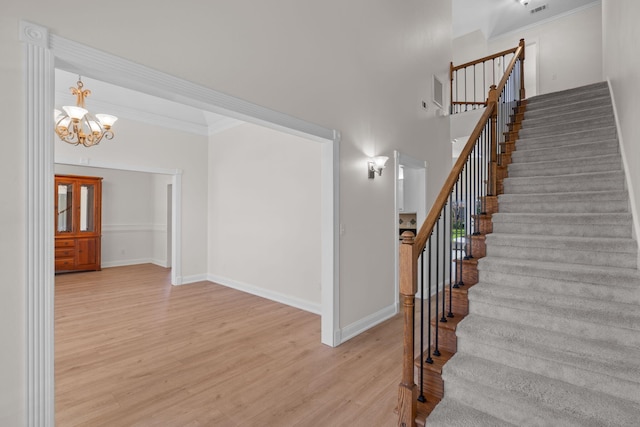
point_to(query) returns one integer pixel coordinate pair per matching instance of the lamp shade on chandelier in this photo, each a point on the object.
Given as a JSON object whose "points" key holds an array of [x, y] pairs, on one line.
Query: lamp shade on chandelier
{"points": [[75, 125]]}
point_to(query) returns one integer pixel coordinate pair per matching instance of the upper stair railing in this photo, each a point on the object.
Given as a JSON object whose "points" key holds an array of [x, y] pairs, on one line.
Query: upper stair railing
{"points": [[445, 241], [470, 82]]}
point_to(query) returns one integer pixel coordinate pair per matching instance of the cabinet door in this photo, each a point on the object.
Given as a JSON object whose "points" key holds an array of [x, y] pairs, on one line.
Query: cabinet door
{"points": [[65, 193], [86, 253], [87, 208]]}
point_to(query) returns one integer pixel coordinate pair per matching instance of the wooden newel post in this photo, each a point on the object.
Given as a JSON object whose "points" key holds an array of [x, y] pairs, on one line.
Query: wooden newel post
{"points": [[492, 102], [408, 391]]}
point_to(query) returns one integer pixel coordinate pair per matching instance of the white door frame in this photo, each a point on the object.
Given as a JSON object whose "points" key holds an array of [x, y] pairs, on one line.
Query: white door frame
{"points": [[43, 52], [176, 204]]}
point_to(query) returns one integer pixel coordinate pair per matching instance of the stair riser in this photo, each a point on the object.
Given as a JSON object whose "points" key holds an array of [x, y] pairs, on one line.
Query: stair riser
{"points": [[565, 138], [565, 207], [566, 116], [563, 128], [518, 170], [534, 130], [562, 286], [578, 152], [500, 352], [469, 272], [567, 179], [550, 105], [565, 99], [578, 230], [620, 336], [629, 279], [431, 382], [595, 310], [447, 340], [511, 187], [584, 257]]}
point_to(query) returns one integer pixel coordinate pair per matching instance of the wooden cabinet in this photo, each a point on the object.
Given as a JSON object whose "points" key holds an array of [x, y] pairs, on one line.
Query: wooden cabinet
{"points": [[78, 208]]}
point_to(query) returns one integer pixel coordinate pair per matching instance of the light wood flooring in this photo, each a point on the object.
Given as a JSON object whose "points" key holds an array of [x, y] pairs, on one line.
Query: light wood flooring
{"points": [[132, 350]]}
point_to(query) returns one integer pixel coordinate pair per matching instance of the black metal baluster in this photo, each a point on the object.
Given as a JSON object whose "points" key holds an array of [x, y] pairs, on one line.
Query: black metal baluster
{"points": [[444, 261], [429, 359], [468, 212], [421, 397], [450, 253], [436, 352], [458, 221]]}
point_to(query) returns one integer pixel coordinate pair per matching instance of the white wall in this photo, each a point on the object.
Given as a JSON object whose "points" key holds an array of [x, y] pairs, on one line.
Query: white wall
{"points": [[142, 145], [134, 221], [569, 49], [621, 68], [264, 214], [361, 67]]}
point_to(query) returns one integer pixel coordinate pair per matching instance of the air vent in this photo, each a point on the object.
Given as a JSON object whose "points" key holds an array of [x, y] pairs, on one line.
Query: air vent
{"points": [[539, 9]]}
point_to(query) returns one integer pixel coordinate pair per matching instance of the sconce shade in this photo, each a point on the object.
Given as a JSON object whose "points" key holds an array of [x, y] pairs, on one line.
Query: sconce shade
{"points": [[376, 164]]}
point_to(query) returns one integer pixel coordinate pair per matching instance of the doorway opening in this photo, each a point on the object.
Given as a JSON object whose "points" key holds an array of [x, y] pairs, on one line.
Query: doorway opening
{"points": [[43, 52]]}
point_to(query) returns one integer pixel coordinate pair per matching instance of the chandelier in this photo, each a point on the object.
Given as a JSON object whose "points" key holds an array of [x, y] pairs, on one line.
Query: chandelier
{"points": [[77, 126]]}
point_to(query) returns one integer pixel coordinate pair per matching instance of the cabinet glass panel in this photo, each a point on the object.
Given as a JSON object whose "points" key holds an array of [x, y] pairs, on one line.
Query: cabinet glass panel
{"points": [[65, 208], [87, 216]]}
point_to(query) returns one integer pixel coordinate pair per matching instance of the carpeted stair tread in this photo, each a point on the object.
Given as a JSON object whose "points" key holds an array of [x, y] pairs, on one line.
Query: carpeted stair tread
{"points": [[564, 224], [453, 413], [556, 284], [592, 181], [589, 323], [613, 252], [598, 365], [569, 96], [567, 127], [550, 112], [618, 314], [567, 115], [578, 202], [580, 150], [571, 137], [527, 399], [603, 163], [592, 274]]}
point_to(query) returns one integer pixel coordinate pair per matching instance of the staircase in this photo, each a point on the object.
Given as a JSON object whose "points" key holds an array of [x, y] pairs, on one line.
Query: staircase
{"points": [[552, 337]]}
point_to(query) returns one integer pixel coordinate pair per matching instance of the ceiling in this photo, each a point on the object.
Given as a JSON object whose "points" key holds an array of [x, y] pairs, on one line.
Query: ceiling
{"points": [[121, 102], [497, 17], [492, 17]]}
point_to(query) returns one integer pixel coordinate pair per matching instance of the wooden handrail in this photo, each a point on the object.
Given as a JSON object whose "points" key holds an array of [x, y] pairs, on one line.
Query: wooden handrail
{"points": [[512, 63], [443, 196], [411, 248], [485, 59]]}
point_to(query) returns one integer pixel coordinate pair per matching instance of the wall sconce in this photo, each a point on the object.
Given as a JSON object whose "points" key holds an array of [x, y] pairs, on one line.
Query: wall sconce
{"points": [[376, 165]]}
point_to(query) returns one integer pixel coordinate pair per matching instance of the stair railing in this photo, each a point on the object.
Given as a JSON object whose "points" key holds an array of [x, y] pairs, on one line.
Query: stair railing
{"points": [[469, 82], [436, 254]]}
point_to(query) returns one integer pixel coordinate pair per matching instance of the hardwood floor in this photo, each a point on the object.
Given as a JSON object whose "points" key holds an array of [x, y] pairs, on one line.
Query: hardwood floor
{"points": [[132, 350]]}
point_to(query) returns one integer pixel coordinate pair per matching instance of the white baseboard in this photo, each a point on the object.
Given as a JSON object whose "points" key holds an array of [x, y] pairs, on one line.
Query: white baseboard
{"points": [[125, 262], [368, 322], [266, 293], [193, 279]]}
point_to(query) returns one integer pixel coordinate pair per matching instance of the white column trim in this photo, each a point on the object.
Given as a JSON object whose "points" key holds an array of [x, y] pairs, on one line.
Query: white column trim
{"points": [[38, 64]]}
